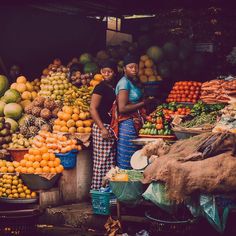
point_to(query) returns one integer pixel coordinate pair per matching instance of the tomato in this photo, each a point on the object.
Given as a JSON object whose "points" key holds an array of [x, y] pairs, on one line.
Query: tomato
{"points": [[195, 84], [199, 84], [194, 100], [159, 120], [186, 92], [159, 126], [192, 92], [192, 88], [189, 83], [195, 96], [188, 100], [181, 87], [184, 83], [186, 87], [190, 96], [183, 96], [182, 99]]}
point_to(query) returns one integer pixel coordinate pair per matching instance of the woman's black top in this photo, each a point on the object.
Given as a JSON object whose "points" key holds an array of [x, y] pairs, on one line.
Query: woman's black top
{"points": [[108, 97]]}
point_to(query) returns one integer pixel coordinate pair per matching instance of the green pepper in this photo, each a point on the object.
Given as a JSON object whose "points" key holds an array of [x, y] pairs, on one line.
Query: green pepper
{"points": [[161, 132], [166, 127], [165, 106], [166, 132]]}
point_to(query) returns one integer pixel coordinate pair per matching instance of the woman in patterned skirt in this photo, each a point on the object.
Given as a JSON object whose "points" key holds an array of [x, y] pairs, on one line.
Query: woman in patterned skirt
{"points": [[104, 143]]}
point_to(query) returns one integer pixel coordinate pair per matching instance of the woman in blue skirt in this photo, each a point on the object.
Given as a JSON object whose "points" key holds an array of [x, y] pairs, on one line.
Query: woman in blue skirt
{"points": [[127, 112]]}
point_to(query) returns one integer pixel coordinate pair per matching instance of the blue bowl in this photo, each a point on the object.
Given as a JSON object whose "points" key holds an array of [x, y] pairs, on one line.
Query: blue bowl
{"points": [[68, 160]]}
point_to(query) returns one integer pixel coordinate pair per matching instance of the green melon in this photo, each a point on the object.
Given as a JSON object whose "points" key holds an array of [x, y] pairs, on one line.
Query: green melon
{"points": [[85, 58], [13, 110], [91, 68], [11, 95], [4, 84], [155, 53]]}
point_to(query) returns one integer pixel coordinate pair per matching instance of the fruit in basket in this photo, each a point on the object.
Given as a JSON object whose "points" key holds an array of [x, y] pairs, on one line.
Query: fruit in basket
{"points": [[185, 91], [57, 143], [7, 166], [5, 133], [39, 161], [12, 187], [13, 110], [19, 141]]}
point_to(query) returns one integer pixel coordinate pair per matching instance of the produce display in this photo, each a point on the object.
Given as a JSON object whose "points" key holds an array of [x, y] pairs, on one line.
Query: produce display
{"points": [[96, 80], [217, 91], [185, 91], [79, 79], [19, 141], [56, 143], [41, 114], [39, 161], [147, 70], [73, 120], [5, 133], [26, 89], [12, 186], [227, 121], [159, 121], [7, 166]]}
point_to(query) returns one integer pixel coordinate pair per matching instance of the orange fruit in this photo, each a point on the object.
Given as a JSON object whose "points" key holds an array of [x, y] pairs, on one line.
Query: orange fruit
{"points": [[30, 170], [23, 162], [46, 169], [72, 130], [46, 156], [52, 156], [23, 170], [64, 129], [51, 163], [70, 123], [16, 164], [31, 158], [79, 123], [43, 163], [18, 169], [10, 169], [60, 114], [53, 170], [43, 149], [62, 138], [56, 127], [62, 123], [75, 117], [82, 116], [87, 130], [38, 158], [29, 164], [57, 122], [34, 151], [59, 169], [76, 110], [57, 162], [66, 117], [38, 170], [36, 164], [68, 109], [80, 130], [26, 156], [87, 123]]}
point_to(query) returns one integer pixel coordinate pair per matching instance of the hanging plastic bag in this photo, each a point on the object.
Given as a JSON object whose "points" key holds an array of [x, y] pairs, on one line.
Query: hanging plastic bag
{"points": [[156, 193]]}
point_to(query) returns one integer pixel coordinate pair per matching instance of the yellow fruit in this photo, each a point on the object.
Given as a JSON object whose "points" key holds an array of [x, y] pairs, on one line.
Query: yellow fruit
{"points": [[56, 127], [13, 86], [64, 129], [70, 123], [87, 130], [21, 79], [38, 170], [76, 110], [80, 129], [87, 123], [52, 156], [82, 116], [25, 103], [10, 169], [29, 86], [28, 164], [75, 117], [43, 163], [59, 169], [149, 63], [34, 95], [57, 122], [22, 195], [79, 123], [21, 87], [46, 156], [30, 170], [26, 95], [72, 130], [143, 78], [57, 162], [36, 164], [46, 169], [23, 163], [33, 194], [68, 110], [149, 72], [152, 78], [16, 164]]}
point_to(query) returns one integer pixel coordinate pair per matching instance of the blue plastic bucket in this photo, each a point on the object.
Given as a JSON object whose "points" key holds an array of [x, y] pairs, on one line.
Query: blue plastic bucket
{"points": [[68, 160]]}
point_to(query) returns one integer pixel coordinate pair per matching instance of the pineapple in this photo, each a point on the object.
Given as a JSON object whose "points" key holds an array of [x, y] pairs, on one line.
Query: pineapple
{"points": [[46, 114], [39, 102], [24, 130], [39, 122], [33, 131], [30, 120], [36, 111], [28, 109]]}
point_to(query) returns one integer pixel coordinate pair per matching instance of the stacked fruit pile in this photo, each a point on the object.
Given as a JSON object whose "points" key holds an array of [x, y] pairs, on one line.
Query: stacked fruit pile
{"points": [[7, 166], [147, 70], [19, 141], [39, 161], [41, 114], [11, 186], [73, 120], [55, 84], [56, 143], [26, 89], [5, 133], [36, 85], [159, 121], [185, 91]]}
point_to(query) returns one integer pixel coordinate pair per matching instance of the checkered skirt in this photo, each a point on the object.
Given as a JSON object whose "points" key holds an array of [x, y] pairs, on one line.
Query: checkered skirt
{"points": [[104, 154]]}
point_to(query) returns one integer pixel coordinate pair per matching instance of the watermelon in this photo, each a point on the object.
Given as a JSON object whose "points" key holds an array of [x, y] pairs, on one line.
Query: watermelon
{"points": [[91, 67], [155, 53], [85, 58]]}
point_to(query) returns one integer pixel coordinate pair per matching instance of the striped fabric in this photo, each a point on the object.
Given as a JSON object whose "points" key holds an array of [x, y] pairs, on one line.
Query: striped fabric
{"points": [[125, 148]]}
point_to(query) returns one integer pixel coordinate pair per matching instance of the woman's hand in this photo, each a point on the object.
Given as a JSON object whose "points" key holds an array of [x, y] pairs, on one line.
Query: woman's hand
{"points": [[149, 100], [105, 133]]}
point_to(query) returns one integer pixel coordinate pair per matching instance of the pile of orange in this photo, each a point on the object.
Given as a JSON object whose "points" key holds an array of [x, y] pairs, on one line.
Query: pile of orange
{"points": [[38, 161], [72, 120], [56, 143]]}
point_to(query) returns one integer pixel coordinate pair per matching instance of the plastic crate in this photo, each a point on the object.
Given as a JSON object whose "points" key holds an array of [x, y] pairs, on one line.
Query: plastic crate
{"points": [[68, 160], [101, 202]]}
